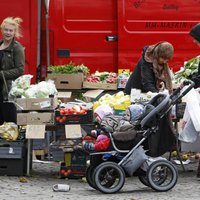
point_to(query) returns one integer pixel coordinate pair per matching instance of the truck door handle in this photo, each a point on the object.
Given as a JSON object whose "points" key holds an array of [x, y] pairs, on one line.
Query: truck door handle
{"points": [[111, 38]]}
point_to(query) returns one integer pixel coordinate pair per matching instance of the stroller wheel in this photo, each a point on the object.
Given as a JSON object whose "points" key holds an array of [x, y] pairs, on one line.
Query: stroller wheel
{"points": [[162, 175], [109, 177], [143, 179], [89, 176]]}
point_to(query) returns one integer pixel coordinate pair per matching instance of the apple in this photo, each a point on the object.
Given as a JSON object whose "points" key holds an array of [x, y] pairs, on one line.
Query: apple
{"points": [[184, 156], [174, 153], [196, 156]]}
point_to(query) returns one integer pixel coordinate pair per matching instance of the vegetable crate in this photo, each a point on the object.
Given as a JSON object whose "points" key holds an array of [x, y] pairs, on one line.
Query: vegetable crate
{"points": [[75, 158], [67, 81], [72, 172], [36, 103], [74, 118]]}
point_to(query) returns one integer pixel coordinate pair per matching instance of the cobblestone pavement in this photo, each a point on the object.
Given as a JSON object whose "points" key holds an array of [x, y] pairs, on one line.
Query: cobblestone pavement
{"points": [[45, 175]]}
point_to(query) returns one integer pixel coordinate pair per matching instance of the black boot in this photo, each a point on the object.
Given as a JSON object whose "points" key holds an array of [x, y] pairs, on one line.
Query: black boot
{"points": [[198, 170]]}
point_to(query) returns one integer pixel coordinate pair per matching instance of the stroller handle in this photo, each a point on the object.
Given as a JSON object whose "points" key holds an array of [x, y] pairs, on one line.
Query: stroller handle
{"points": [[177, 94], [189, 82]]}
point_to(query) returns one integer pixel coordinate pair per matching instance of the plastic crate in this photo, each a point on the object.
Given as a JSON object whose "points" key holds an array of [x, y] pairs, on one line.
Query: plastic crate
{"points": [[180, 109], [13, 167], [72, 172], [13, 154], [75, 158], [57, 154], [74, 119]]}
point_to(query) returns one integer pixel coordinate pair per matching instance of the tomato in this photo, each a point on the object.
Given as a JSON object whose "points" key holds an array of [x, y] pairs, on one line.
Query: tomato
{"points": [[57, 118], [62, 112], [62, 171], [70, 111], [66, 110], [66, 174], [61, 121], [64, 118], [82, 112]]}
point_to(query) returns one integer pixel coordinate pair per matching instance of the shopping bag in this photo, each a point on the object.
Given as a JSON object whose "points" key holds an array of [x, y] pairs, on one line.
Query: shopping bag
{"points": [[9, 112], [188, 134], [193, 107]]}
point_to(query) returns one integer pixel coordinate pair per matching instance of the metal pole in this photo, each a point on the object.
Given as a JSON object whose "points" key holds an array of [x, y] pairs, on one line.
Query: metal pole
{"points": [[47, 30]]}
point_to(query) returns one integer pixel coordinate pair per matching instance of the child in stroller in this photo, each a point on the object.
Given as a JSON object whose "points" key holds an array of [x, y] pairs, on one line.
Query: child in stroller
{"points": [[121, 127], [107, 170]]}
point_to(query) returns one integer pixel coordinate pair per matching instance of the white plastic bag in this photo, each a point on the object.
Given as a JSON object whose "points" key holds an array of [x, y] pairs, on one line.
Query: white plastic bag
{"points": [[188, 134], [193, 108]]}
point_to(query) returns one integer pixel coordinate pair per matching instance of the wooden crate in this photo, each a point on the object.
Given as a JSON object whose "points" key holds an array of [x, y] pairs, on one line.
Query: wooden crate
{"points": [[104, 86]]}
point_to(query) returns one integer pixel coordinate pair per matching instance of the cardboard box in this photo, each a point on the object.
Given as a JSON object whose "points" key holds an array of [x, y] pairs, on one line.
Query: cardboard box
{"points": [[35, 118], [67, 81], [65, 96], [36, 103], [92, 95], [104, 86]]}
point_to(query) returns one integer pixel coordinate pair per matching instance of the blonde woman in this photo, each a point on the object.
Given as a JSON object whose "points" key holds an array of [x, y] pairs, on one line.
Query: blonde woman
{"points": [[11, 58]]}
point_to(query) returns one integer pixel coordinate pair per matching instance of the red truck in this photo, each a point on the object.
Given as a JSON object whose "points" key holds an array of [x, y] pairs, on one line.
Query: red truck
{"points": [[105, 35]]}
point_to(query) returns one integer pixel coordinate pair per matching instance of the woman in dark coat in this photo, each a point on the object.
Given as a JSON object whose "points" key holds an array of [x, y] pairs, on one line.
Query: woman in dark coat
{"points": [[152, 71], [195, 33]]}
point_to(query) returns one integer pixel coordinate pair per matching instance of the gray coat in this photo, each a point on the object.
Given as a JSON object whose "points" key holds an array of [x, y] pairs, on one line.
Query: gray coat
{"points": [[12, 67]]}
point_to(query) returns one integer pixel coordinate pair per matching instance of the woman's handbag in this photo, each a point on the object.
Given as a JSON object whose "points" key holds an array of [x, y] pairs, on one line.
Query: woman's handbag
{"points": [[8, 108]]}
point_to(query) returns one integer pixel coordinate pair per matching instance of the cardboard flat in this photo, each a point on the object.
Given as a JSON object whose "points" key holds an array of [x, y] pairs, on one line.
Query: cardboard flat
{"points": [[73, 131], [64, 94], [104, 86], [35, 118], [92, 93], [35, 131]]}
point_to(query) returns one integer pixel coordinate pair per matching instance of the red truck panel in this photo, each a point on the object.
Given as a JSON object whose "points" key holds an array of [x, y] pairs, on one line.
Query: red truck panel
{"points": [[28, 11], [78, 31], [81, 28], [144, 22]]}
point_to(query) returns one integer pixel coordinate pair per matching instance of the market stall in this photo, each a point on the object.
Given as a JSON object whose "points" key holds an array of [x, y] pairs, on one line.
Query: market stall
{"points": [[51, 107]]}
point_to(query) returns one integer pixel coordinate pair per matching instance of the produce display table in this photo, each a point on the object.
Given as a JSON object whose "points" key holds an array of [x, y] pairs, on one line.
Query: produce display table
{"points": [[48, 128]]}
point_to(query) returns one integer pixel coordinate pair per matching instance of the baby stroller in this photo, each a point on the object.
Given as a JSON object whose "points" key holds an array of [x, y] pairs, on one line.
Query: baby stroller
{"points": [[107, 170]]}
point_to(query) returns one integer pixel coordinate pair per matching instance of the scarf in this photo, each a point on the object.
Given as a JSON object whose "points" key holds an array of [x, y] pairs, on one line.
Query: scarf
{"points": [[161, 72]]}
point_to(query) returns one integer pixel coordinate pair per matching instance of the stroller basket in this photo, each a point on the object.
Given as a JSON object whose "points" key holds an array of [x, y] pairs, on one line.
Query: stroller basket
{"points": [[134, 161]]}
